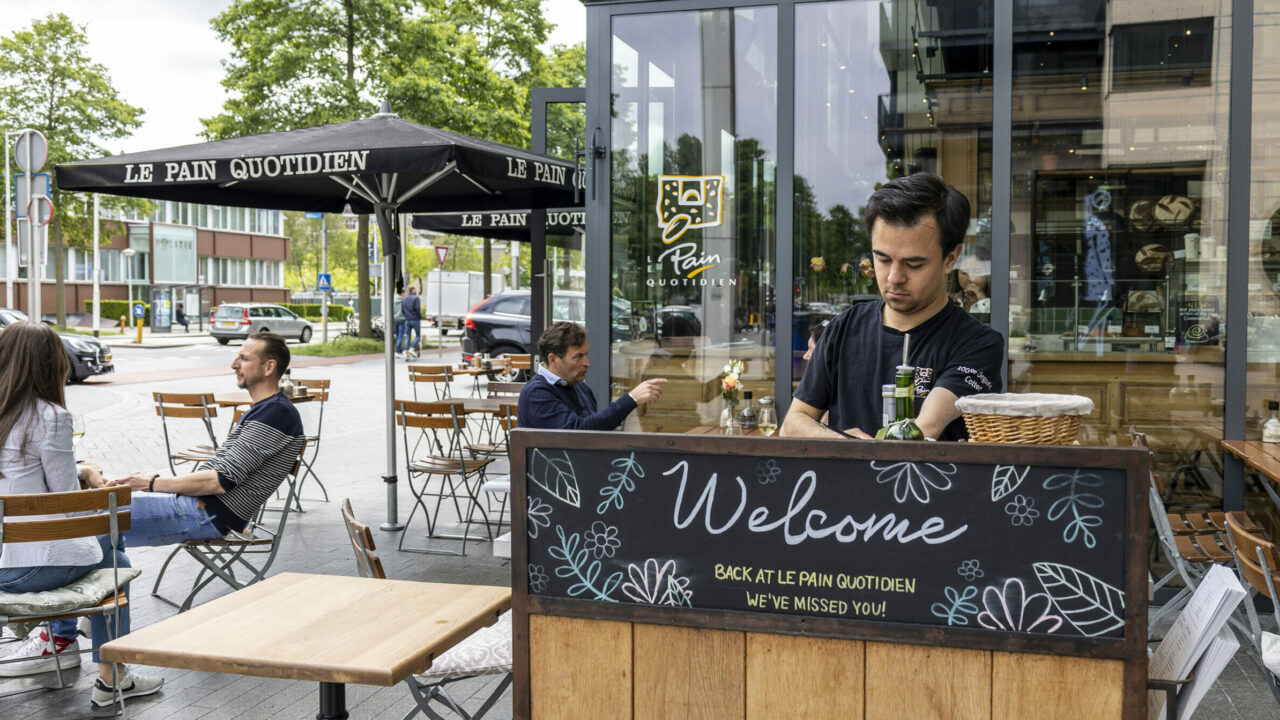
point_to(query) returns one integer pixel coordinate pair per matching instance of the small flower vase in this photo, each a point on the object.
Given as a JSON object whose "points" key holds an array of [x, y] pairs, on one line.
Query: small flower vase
{"points": [[729, 418]]}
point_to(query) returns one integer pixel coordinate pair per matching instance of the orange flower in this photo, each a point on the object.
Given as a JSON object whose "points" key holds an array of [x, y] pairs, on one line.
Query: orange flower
{"points": [[730, 382]]}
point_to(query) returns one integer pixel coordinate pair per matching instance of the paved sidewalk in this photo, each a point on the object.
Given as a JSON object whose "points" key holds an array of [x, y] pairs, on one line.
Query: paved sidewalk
{"points": [[124, 435]]}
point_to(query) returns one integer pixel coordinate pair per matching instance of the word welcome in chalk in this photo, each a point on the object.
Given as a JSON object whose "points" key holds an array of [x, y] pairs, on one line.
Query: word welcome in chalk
{"points": [[796, 524], [807, 578]]}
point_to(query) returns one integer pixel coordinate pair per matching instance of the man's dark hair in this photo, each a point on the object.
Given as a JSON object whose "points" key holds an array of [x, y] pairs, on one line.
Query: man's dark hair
{"points": [[905, 201], [273, 348], [557, 339]]}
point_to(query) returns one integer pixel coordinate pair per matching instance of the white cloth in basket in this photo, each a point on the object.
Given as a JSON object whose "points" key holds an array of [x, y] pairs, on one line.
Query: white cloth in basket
{"points": [[1025, 404]]}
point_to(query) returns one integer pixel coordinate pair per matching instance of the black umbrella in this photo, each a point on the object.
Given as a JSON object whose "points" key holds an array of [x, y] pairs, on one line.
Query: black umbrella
{"points": [[567, 223], [382, 166]]}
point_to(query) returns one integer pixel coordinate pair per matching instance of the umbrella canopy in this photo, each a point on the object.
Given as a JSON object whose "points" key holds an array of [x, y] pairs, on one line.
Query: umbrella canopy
{"points": [[565, 225], [382, 160]]}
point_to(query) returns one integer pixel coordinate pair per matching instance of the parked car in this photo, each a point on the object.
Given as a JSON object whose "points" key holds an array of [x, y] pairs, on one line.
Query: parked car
{"points": [[237, 321], [89, 356], [500, 324]]}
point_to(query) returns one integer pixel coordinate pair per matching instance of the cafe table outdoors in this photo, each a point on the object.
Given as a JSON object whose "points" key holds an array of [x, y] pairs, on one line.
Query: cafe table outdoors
{"points": [[325, 628]]}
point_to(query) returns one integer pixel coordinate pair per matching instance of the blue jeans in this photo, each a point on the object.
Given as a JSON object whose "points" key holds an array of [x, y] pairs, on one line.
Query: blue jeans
{"points": [[159, 518], [36, 579], [401, 328], [411, 330]]}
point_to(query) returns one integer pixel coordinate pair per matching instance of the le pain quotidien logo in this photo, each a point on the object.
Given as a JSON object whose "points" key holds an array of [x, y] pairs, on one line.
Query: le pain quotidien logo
{"points": [[688, 202]]}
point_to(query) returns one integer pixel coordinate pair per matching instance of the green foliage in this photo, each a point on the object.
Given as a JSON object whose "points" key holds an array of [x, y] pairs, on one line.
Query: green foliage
{"points": [[113, 309], [305, 255], [341, 346], [312, 312]]}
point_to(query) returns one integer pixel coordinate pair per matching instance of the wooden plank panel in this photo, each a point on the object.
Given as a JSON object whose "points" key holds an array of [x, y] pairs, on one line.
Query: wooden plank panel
{"points": [[803, 677], [1048, 687], [689, 673], [579, 669], [920, 681]]}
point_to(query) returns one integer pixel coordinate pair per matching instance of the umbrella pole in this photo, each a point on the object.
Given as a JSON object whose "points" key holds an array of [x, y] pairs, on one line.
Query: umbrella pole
{"points": [[388, 340]]}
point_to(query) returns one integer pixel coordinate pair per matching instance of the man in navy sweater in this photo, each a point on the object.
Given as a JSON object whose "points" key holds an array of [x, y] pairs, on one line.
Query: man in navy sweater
{"points": [[556, 398]]}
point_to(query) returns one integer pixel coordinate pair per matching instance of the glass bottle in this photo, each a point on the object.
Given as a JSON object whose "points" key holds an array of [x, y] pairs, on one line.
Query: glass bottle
{"points": [[767, 417], [748, 417], [904, 425], [286, 384], [888, 405], [1271, 428]]}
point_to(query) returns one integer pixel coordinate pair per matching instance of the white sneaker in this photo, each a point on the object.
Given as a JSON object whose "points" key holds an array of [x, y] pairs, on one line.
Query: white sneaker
{"points": [[38, 656], [133, 685]]}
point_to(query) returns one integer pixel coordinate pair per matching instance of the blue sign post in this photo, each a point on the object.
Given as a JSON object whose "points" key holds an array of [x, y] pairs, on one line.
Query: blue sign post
{"points": [[312, 215], [324, 282], [139, 310]]}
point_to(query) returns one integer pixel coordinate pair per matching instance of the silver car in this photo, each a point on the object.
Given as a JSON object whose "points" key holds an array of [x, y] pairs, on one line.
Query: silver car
{"points": [[237, 321]]}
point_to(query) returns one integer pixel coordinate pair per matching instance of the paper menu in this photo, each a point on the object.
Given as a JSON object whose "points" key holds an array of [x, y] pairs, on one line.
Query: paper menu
{"points": [[1220, 651]]}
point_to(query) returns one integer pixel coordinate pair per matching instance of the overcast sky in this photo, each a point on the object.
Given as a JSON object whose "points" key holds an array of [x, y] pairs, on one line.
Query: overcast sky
{"points": [[163, 56]]}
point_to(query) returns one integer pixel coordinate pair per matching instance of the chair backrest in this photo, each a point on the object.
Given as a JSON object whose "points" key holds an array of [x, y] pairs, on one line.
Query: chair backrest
{"points": [[318, 389], [521, 362], [1256, 558], [507, 417], [103, 505], [436, 376], [367, 561], [505, 389], [186, 405], [444, 418]]}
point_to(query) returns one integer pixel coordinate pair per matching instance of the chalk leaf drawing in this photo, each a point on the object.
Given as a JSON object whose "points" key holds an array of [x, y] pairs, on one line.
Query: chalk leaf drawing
{"points": [[578, 565], [1078, 501], [1092, 606], [539, 515], [554, 473], [653, 584], [1006, 479], [916, 480], [619, 481], [958, 607], [1011, 608]]}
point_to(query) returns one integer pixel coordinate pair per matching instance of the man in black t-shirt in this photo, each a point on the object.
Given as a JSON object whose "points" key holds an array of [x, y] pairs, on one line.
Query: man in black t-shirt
{"points": [[917, 225]]}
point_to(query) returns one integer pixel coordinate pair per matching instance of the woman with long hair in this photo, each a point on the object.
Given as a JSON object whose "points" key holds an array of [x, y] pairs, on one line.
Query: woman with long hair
{"points": [[36, 456]]}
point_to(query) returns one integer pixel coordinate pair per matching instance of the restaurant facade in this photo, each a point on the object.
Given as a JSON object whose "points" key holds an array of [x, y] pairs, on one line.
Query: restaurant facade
{"points": [[1119, 158]]}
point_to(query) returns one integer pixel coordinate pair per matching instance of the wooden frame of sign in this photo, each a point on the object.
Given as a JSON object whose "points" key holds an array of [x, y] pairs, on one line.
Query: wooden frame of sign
{"points": [[731, 577]]}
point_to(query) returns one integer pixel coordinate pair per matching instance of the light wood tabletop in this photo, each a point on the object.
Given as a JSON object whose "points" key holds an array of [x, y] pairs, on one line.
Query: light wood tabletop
{"points": [[325, 628], [235, 399], [1257, 455], [492, 406], [717, 430]]}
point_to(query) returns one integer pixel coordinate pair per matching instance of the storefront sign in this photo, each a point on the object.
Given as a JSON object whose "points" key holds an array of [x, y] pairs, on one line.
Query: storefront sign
{"points": [[1013, 548], [687, 202]]}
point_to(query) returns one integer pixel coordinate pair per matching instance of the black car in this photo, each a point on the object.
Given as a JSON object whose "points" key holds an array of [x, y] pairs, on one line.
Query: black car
{"points": [[88, 355], [500, 324]]}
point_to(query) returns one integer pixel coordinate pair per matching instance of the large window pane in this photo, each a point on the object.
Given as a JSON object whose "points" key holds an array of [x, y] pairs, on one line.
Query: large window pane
{"points": [[1119, 189], [694, 138], [1264, 224]]}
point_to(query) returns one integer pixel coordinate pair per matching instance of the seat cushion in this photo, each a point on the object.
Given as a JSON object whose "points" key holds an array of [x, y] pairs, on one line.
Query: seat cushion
{"points": [[86, 592], [486, 651]]}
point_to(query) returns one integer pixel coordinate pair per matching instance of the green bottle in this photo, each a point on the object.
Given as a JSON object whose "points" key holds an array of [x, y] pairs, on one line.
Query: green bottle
{"points": [[904, 425]]}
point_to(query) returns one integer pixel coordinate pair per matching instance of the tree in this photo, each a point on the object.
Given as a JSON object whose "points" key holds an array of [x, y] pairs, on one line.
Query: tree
{"points": [[48, 83], [302, 63]]}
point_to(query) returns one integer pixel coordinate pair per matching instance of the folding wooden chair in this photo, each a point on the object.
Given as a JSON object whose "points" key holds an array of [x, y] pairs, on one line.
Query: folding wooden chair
{"points": [[505, 389], [98, 513], [460, 476], [220, 558], [319, 389], [520, 368], [497, 448], [485, 652], [1258, 563], [170, 406], [436, 378]]}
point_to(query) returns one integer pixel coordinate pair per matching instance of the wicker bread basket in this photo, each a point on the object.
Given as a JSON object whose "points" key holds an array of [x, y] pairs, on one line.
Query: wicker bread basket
{"points": [[1024, 418]]}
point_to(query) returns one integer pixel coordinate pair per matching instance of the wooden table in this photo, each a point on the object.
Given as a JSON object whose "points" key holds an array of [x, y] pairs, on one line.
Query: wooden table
{"points": [[330, 629], [1257, 455], [717, 430], [491, 406], [235, 399]]}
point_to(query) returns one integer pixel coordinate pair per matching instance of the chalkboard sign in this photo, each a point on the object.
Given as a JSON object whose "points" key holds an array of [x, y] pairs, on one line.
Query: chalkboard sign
{"points": [[998, 540]]}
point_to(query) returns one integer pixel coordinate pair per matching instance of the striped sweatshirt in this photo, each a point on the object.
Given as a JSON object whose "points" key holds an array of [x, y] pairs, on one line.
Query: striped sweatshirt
{"points": [[257, 456]]}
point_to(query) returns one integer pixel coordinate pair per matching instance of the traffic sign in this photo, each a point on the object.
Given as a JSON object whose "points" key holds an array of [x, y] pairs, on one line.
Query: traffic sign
{"points": [[139, 310], [31, 151], [40, 210], [442, 251], [324, 281], [40, 186], [313, 215]]}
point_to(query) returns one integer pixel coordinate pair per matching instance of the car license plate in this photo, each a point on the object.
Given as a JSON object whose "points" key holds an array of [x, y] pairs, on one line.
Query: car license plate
{"points": [[106, 358], [226, 324]]}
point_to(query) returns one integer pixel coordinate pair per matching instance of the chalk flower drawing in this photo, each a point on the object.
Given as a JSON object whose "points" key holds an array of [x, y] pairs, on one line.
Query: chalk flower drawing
{"points": [[537, 578], [602, 540], [554, 473], [577, 564], [1078, 501], [957, 609], [1021, 510], [1006, 479], [619, 481], [916, 480], [654, 584], [539, 515], [767, 471], [970, 570], [1094, 607], [1010, 608]]}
